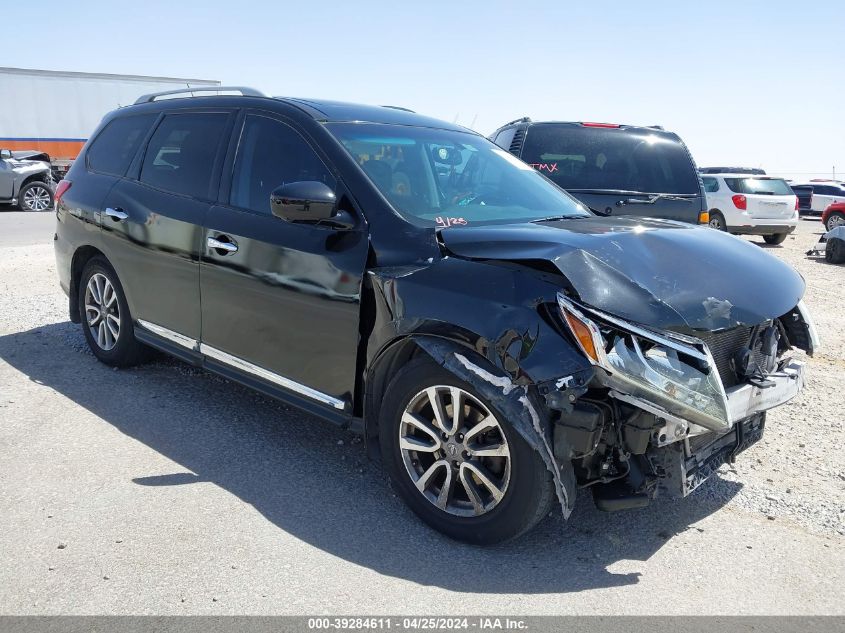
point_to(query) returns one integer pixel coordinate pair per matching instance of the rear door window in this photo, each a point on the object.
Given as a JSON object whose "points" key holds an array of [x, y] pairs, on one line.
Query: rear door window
{"points": [[181, 153], [759, 186], [578, 158], [115, 147]]}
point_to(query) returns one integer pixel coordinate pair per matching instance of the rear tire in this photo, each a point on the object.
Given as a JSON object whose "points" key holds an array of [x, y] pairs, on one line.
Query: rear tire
{"points": [[484, 520], [106, 322], [35, 196], [837, 218], [834, 252], [777, 238], [717, 221]]}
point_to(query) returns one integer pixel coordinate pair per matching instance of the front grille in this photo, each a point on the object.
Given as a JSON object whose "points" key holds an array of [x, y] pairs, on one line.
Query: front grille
{"points": [[723, 345]]}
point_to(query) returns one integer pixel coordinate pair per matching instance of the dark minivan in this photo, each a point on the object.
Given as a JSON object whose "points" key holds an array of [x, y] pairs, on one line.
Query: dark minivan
{"points": [[498, 346], [612, 169]]}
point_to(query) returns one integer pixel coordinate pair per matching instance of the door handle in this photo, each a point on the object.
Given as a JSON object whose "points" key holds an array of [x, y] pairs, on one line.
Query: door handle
{"points": [[116, 214], [218, 245]]}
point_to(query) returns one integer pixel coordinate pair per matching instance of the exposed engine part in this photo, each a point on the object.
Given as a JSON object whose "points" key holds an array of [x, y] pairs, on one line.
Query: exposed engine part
{"points": [[579, 430]]}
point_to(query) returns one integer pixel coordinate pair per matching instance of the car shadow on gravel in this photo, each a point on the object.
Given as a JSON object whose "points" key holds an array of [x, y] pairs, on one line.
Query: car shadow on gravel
{"points": [[314, 481]]}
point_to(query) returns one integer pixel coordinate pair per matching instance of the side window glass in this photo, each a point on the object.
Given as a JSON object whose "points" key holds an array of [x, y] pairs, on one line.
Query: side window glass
{"points": [[711, 185], [271, 154], [115, 147], [505, 138], [181, 153]]}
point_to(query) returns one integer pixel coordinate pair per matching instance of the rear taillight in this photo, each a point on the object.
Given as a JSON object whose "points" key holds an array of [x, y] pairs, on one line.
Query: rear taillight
{"points": [[796, 203], [63, 186], [740, 202]]}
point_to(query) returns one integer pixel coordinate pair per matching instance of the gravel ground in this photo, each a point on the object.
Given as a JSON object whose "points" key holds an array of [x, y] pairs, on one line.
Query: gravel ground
{"points": [[164, 489]]}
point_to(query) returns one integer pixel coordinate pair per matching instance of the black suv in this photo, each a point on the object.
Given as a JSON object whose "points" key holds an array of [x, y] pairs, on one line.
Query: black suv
{"points": [[497, 345], [613, 169]]}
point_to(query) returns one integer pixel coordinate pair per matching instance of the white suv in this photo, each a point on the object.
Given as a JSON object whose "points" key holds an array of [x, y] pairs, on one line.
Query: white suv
{"points": [[751, 205], [825, 193]]}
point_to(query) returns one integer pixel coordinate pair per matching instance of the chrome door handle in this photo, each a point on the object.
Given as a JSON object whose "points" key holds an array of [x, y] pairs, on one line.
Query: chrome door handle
{"points": [[229, 247], [116, 214]]}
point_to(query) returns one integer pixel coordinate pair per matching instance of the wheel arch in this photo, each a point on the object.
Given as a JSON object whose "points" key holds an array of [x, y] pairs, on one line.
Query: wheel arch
{"points": [[390, 359], [81, 256], [520, 404]]}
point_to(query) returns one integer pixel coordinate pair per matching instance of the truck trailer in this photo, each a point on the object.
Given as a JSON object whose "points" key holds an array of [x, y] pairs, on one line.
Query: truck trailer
{"points": [[53, 112]]}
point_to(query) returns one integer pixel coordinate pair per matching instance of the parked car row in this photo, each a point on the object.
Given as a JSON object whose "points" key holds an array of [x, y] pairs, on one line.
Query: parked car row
{"points": [[816, 196], [499, 343]]}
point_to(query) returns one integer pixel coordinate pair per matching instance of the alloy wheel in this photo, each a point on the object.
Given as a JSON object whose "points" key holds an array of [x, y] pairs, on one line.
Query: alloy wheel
{"points": [[455, 451], [36, 198], [716, 223], [102, 311], [835, 220]]}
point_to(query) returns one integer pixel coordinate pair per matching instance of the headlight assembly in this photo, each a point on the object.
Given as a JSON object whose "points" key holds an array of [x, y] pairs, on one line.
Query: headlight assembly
{"points": [[675, 372]]}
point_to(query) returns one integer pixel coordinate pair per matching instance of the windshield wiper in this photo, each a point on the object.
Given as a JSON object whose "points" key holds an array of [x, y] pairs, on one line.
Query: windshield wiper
{"points": [[618, 192], [652, 199], [555, 218]]}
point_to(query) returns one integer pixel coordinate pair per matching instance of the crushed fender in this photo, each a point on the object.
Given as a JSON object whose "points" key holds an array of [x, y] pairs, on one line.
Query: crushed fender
{"points": [[515, 402]]}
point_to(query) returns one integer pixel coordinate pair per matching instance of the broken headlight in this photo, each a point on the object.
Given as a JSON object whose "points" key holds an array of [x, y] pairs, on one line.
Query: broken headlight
{"points": [[673, 371]]}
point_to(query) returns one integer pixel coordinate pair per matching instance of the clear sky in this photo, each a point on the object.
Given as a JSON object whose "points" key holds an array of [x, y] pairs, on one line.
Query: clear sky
{"points": [[743, 83]]}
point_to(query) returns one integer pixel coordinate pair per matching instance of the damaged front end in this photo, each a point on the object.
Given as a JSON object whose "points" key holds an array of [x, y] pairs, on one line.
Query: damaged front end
{"points": [[665, 409]]}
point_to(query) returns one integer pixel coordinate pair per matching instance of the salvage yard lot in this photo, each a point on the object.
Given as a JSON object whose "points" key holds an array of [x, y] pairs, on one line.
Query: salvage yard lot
{"points": [[164, 489]]}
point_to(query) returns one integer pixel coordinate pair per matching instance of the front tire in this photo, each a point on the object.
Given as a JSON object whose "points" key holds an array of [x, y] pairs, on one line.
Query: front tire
{"points": [[35, 196], [835, 219], [106, 321], [777, 238], [468, 475]]}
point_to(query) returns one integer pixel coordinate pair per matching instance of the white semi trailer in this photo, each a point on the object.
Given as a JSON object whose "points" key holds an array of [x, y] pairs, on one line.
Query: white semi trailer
{"points": [[54, 112]]}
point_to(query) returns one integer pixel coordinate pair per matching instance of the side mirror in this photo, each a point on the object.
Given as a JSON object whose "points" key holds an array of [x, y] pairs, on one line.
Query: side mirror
{"points": [[5, 153], [304, 201]]}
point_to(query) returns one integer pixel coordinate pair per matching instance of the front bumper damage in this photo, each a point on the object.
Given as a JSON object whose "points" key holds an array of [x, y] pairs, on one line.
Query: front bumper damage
{"points": [[686, 465], [593, 429]]}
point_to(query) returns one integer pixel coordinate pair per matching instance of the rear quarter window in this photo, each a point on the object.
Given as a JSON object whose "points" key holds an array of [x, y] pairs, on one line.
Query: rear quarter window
{"points": [[115, 147], [711, 185]]}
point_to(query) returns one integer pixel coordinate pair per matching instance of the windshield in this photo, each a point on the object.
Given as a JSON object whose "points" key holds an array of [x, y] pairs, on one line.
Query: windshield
{"points": [[577, 157], [763, 186], [447, 178]]}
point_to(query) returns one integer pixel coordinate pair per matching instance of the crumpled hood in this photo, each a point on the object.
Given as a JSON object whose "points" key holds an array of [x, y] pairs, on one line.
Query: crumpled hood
{"points": [[654, 272], [27, 166]]}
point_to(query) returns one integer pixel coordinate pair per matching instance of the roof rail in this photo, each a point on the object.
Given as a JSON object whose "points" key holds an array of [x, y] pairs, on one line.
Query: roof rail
{"points": [[245, 92], [392, 107], [525, 119]]}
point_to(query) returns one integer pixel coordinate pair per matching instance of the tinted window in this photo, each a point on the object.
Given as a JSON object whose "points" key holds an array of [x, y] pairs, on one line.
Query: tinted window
{"points": [[180, 155], [827, 190], [711, 185], [271, 154], [115, 147], [763, 186], [449, 178], [578, 157]]}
